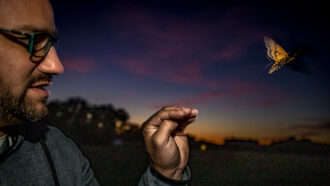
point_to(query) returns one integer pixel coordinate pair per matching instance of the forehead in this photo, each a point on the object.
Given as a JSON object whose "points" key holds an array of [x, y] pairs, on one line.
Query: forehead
{"points": [[25, 14]]}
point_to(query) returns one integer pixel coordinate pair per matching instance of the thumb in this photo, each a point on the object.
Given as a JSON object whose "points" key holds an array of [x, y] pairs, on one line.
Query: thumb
{"points": [[164, 132]]}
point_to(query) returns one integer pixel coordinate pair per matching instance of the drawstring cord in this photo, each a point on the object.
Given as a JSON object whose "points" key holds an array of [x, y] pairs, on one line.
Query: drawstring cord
{"points": [[50, 162]]}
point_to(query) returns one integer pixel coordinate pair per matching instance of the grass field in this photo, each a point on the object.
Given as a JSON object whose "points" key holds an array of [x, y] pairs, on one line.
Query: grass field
{"points": [[124, 165]]}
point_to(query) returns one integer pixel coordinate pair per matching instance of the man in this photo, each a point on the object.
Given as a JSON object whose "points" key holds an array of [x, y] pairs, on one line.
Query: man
{"points": [[37, 154]]}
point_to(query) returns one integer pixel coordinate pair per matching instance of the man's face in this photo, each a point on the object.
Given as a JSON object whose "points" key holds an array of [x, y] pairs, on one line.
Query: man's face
{"points": [[22, 81]]}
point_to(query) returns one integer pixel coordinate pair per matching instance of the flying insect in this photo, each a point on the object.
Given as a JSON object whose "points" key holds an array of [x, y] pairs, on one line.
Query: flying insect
{"points": [[278, 56]]}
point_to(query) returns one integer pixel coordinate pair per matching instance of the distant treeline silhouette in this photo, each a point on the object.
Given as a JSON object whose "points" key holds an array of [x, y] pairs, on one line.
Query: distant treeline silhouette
{"points": [[91, 124], [291, 145], [104, 125]]}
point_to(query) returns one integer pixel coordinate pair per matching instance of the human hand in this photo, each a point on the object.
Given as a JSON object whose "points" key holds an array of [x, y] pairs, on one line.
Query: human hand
{"points": [[166, 141]]}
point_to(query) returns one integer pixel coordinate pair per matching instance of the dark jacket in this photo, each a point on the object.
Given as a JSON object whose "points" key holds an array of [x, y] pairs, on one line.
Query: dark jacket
{"points": [[36, 154]]}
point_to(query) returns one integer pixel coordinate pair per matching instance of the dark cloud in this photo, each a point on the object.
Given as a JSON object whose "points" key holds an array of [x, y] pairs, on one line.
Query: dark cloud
{"points": [[322, 126], [309, 134]]}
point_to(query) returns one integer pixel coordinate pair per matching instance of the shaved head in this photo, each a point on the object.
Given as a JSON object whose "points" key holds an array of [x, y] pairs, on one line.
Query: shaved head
{"points": [[15, 13]]}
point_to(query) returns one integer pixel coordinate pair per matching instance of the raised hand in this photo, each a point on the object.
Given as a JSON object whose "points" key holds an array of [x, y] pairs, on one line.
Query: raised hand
{"points": [[166, 141]]}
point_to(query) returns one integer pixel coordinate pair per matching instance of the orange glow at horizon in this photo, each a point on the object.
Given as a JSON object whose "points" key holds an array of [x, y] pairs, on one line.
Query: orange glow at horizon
{"points": [[263, 136]]}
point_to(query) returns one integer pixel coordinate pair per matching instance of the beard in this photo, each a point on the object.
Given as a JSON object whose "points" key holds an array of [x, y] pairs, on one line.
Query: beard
{"points": [[16, 109]]}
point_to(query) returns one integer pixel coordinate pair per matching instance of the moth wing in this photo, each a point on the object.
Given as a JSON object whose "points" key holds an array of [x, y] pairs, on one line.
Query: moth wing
{"points": [[274, 50]]}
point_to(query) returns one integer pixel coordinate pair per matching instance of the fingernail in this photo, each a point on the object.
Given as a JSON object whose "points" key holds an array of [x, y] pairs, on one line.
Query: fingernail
{"points": [[195, 111]]}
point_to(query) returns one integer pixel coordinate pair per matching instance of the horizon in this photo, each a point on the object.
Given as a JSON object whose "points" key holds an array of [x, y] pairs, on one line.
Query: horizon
{"points": [[196, 138]]}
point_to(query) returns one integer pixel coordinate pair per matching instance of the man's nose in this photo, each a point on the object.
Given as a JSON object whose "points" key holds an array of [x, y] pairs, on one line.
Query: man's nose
{"points": [[51, 64]]}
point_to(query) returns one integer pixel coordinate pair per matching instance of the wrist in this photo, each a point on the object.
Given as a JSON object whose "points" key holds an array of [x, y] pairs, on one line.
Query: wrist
{"points": [[183, 181], [175, 174]]}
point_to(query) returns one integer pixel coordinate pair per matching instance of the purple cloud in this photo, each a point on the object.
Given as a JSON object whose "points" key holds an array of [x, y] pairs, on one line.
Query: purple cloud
{"points": [[231, 91], [79, 64], [178, 50]]}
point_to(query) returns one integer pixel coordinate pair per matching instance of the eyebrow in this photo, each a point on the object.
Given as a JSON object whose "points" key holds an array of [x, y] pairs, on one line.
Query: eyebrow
{"points": [[30, 28]]}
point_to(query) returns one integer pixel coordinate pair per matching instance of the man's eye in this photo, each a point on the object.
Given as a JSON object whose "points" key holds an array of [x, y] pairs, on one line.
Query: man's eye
{"points": [[24, 40], [40, 42]]}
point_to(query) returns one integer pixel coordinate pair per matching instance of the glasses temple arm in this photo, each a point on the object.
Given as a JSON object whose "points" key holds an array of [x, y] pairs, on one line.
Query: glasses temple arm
{"points": [[31, 43]]}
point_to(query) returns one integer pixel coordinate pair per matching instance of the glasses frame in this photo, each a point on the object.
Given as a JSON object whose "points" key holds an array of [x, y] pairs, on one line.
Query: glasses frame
{"points": [[31, 36]]}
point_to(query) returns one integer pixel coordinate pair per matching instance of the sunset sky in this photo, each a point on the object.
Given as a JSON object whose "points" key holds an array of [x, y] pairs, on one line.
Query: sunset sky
{"points": [[201, 54]]}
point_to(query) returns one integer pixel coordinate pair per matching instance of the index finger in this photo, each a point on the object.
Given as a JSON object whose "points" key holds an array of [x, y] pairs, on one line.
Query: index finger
{"points": [[174, 114]]}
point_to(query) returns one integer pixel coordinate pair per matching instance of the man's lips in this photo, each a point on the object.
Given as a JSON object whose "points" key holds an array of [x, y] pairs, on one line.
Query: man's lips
{"points": [[40, 87], [41, 84]]}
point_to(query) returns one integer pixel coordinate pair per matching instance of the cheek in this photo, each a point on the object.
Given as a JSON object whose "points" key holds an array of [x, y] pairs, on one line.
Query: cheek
{"points": [[15, 66], [14, 76]]}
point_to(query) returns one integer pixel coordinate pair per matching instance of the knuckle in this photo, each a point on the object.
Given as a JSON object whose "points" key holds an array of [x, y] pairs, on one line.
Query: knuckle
{"points": [[164, 108], [171, 107], [160, 112]]}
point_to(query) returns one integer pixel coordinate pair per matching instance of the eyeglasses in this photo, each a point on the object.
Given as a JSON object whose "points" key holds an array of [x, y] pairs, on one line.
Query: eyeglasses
{"points": [[38, 44]]}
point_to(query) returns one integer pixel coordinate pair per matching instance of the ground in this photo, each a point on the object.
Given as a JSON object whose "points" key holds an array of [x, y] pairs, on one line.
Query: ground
{"points": [[125, 164]]}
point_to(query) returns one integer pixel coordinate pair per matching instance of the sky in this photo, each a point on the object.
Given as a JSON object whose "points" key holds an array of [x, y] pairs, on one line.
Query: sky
{"points": [[143, 55]]}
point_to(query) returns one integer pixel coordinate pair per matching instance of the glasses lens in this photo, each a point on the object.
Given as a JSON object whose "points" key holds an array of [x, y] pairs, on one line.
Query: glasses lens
{"points": [[42, 44]]}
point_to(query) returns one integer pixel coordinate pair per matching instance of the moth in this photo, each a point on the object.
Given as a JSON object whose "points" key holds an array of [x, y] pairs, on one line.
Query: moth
{"points": [[278, 56]]}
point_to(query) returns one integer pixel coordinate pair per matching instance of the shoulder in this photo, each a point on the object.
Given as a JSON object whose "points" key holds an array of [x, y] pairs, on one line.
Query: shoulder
{"points": [[54, 137], [63, 148], [53, 132]]}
